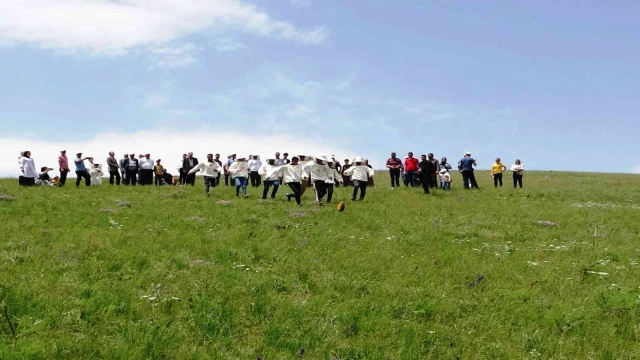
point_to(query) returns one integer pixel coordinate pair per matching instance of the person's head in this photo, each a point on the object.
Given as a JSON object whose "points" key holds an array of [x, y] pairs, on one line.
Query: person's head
{"points": [[302, 157], [366, 161], [467, 154], [423, 157], [133, 156], [184, 156], [331, 163], [79, 155], [126, 155], [346, 161], [294, 160], [241, 158], [217, 156], [140, 156], [112, 154], [430, 156], [158, 161], [410, 155], [43, 169], [393, 155], [254, 157], [277, 155], [26, 153], [443, 160], [517, 161], [271, 161], [285, 155], [147, 156], [209, 157], [319, 161], [96, 165], [497, 160], [63, 152], [190, 155], [233, 156]]}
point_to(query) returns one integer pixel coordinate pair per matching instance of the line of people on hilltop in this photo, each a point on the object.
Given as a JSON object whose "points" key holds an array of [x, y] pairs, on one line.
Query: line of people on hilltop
{"points": [[425, 172]]}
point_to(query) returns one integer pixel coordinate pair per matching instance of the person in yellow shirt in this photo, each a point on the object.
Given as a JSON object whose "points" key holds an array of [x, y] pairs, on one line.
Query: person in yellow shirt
{"points": [[496, 172], [158, 170]]}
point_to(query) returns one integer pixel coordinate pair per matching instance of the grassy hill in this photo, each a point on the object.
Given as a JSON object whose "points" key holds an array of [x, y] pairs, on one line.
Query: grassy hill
{"points": [[129, 273]]}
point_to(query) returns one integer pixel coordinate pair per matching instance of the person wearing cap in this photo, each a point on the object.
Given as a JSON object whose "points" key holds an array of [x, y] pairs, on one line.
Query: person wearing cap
{"points": [[292, 174], [81, 170], [360, 175], [394, 164], [146, 165], [114, 168], [158, 171], [63, 164], [131, 169], [334, 179], [227, 176], [466, 165], [209, 169], [254, 167], [239, 171], [123, 170], [189, 163], [267, 171], [445, 179], [319, 172], [496, 172]]}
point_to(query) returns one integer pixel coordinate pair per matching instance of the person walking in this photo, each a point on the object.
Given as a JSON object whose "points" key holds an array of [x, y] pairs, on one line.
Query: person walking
{"points": [[114, 168], [210, 170], [411, 169], [270, 168], [292, 174], [189, 163], [131, 168], [435, 168], [81, 170], [123, 170], [183, 175], [334, 180], [146, 165], [346, 180], [28, 169], [425, 168], [394, 164], [217, 161], [254, 167], [496, 172], [518, 171], [360, 175], [239, 170], [63, 167], [159, 172], [466, 166]]}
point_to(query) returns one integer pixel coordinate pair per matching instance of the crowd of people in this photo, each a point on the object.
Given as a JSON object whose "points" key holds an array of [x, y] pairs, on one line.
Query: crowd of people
{"points": [[321, 173]]}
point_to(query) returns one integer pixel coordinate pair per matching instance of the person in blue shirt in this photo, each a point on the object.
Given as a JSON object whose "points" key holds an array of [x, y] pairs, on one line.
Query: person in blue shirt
{"points": [[227, 175], [81, 170], [465, 165]]}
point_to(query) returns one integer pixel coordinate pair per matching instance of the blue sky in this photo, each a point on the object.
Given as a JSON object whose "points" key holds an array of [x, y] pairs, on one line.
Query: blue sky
{"points": [[554, 84]]}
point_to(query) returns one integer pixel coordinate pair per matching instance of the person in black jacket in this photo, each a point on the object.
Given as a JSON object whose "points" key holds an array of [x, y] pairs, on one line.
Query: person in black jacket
{"points": [[189, 163], [131, 170], [425, 169]]}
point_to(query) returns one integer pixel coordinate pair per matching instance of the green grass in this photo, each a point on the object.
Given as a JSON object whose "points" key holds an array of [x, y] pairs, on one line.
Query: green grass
{"points": [[177, 276]]}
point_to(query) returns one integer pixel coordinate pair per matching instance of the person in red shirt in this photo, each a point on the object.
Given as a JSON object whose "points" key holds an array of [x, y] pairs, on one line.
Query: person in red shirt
{"points": [[411, 169]]}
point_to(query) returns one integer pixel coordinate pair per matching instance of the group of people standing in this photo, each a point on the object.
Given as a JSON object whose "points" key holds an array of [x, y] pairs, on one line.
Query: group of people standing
{"points": [[425, 172]]}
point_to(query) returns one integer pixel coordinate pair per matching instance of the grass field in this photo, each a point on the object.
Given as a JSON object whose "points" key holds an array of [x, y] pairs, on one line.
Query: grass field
{"points": [[153, 273]]}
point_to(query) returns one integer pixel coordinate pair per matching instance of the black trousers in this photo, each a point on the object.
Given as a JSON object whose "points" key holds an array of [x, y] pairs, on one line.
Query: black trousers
{"points": [[517, 179], [158, 180], [130, 179], [209, 182], [20, 180], [362, 185], [296, 189], [255, 178], [146, 177], [433, 180], [497, 179], [63, 176], [116, 175], [27, 181], [426, 183], [183, 177], [320, 188], [218, 180], [395, 177], [83, 174], [268, 184], [329, 192], [226, 180], [469, 180]]}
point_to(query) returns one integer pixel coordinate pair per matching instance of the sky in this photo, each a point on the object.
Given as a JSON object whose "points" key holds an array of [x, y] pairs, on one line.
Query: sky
{"points": [[555, 84]]}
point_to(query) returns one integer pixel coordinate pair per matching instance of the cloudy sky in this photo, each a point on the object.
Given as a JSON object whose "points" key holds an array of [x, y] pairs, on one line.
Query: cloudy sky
{"points": [[556, 84]]}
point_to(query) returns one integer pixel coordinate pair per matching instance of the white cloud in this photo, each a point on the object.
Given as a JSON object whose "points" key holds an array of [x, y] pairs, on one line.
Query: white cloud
{"points": [[300, 3], [226, 44], [155, 142], [116, 27], [175, 56]]}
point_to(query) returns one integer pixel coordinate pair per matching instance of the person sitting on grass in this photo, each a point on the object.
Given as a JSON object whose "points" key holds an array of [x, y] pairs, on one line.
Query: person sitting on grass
{"points": [[44, 179], [359, 174], [239, 170], [445, 179], [293, 175], [209, 170]]}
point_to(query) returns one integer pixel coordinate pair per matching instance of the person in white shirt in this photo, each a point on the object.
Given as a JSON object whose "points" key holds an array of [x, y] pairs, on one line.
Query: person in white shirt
{"points": [[445, 179], [21, 175], [268, 181], [254, 167], [518, 170], [305, 160], [210, 170], [293, 175], [334, 179], [146, 165], [319, 172], [96, 174], [359, 174], [28, 169], [239, 170]]}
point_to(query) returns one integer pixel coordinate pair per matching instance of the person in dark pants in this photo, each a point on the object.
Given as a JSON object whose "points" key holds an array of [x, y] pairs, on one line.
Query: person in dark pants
{"points": [[411, 169], [466, 165], [159, 172], [424, 170], [63, 163], [394, 164], [334, 180], [217, 161], [254, 166], [114, 169], [435, 168], [228, 180], [496, 172], [123, 170], [346, 180], [267, 171], [292, 174], [189, 163], [518, 170], [81, 170], [360, 175], [183, 175], [131, 168]]}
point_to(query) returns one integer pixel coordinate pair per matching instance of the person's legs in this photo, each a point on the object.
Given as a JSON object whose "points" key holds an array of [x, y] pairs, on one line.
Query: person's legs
{"points": [[117, 177], [426, 182], [243, 184], [363, 189], [500, 179], [320, 189], [238, 185], [472, 178], [495, 180], [295, 188], [465, 179], [78, 178], [111, 177], [520, 180], [433, 181], [265, 191], [329, 189], [63, 177], [208, 183], [276, 185], [356, 185]]}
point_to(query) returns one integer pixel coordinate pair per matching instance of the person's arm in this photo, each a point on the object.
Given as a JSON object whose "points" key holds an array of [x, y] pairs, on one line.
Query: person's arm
{"points": [[475, 163], [195, 168]]}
